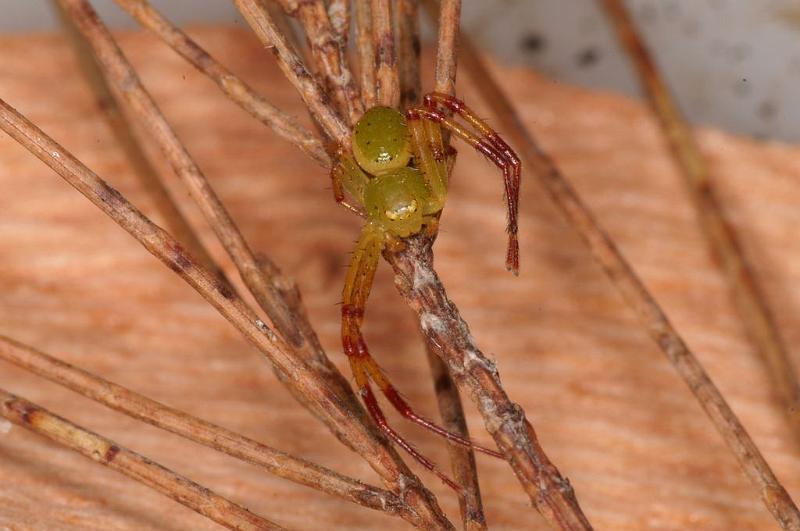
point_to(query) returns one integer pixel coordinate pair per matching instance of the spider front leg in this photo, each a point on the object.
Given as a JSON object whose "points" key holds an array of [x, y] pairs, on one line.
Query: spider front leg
{"points": [[486, 141]]}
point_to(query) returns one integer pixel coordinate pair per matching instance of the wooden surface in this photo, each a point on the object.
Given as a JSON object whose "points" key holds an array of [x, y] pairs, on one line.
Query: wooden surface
{"points": [[608, 408]]}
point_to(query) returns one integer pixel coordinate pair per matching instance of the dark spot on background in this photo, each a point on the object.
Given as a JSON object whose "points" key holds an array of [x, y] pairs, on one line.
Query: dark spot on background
{"points": [[588, 57], [533, 43], [767, 110], [742, 88]]}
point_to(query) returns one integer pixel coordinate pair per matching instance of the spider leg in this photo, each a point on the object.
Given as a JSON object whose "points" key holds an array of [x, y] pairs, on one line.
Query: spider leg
{"points": [[347, 176], [358, 283], [428, 148], [487, 142]]}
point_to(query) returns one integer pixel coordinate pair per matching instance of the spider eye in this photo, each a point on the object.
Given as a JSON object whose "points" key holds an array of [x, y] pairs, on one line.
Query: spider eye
{"points": [[381, 141]]}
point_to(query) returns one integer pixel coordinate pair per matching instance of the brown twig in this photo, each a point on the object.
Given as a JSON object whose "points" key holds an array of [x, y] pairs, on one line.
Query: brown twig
{"points": [[328, 54], [237, 90], [314, 96], [462, 459], [332, 403], [366, 53], [198, 430], [653, 318], [408, 52], [108, 453], [720, 235], [447, 46], [339, 14], [126, 137], [121, 75], [387, 75], [304, 350], [264, 287], [449, 337]]}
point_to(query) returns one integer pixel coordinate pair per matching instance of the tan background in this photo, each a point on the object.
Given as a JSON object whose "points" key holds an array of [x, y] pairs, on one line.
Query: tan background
{"points": [[608, 408]]}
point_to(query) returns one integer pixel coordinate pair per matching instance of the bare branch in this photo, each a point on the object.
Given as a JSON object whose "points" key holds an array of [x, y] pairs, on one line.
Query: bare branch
{"points": [[408, 52], [450, 339], [331, 402], [234, 88], [142, 408], [462, 459], [721, 237], [653, 319], [328, 54], [339, 13], [366, 53], [295, 71], [447, 46], [131, 144], [387, 75], [123, 78], [108, 453]]}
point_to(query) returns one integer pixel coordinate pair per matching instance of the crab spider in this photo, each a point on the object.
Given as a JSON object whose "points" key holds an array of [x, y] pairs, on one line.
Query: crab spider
{"points": [[398, 171]]}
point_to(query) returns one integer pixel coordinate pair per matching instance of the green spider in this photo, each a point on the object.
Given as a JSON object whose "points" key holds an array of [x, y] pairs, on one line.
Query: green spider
{"points": [[398, 171]]}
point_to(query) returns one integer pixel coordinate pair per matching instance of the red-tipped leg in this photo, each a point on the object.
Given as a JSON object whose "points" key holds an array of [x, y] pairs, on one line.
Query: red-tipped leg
{"points": [[357, 286], [489, 143]]}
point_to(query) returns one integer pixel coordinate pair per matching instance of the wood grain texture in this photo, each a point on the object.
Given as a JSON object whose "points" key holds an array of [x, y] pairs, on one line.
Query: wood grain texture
{"points": [[608, 409]]}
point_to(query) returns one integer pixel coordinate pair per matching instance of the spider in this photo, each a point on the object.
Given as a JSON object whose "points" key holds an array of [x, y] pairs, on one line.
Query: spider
{"points": [[398, 171]]}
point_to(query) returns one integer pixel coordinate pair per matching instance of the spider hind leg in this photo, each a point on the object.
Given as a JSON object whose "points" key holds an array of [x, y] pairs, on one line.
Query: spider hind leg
{"points": [[360, 275]]}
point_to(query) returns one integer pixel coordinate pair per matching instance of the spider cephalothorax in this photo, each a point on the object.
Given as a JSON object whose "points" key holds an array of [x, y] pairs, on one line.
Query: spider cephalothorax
{"points": [[398, 171]]}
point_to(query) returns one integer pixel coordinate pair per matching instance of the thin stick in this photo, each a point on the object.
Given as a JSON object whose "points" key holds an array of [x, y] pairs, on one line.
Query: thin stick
{"points": [[328, 54], [408, 52], [108, 453], [263, 283], [198, 430], [447, 46], [387, 75], [336, 405], [462, 459], [366, 53], [313, 94], [126, 137], [621, 274], [234, 88], [449, 337], [339, 13], [720, 235], [123, 78]]}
